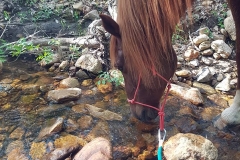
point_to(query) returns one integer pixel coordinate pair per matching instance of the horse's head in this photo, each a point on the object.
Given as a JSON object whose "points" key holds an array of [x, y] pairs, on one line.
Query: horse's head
{"points": [[144, 94]]}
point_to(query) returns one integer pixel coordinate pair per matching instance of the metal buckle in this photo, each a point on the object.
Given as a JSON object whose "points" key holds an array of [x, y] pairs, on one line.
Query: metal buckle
{"points": [[161, 136]]}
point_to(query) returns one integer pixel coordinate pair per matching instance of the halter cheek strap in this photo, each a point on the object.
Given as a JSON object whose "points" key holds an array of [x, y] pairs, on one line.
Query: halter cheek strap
{"points": [[161, 107]]}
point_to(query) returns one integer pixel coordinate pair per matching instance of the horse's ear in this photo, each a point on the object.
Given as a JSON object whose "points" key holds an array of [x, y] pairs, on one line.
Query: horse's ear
{"points": [[110, 25]]}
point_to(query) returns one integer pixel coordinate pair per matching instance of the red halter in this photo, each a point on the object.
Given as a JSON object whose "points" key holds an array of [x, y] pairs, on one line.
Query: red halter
{"points": [[161, 107]]}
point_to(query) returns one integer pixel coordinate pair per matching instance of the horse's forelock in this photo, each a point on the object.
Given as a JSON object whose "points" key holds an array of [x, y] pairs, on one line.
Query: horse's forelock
{"points": [[146, 29]]}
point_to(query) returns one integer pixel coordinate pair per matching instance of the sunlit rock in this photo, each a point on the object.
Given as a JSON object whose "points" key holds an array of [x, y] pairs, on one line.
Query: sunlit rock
{"points": [[90, 63], [229, 26], [69, 83], [54, 59], [51, 129], [38, 150], [204, 75], [146, 155], [189, 146], [201, 38], [190, 94], [210, 113], [221, 48], [61, 95], [92, 15], [224, 85], [207, 52], [204, 45], [63, 65], [17, 154], [78, 6], [98, 149], [105, 88], [103, 114], [87, 82], [183, 73], [69, 140], [191, 54]]}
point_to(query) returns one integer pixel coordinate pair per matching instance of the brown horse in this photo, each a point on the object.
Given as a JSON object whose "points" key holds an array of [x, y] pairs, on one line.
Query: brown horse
{"points": [[141, 45]]}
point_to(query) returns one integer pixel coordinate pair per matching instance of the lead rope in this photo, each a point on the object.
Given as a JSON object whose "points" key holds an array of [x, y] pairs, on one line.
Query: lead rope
{"points": [[161, 137]]}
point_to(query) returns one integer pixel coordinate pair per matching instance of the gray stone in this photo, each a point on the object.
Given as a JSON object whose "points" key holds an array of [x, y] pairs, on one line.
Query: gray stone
{"points": [[61, 95], [224, 85], [221, 48], [230, 27], [201, 38], [92, 15], [204, 75]]}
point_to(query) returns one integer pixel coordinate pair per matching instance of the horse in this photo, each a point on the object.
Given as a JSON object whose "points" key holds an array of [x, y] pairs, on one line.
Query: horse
{"points": [[141, 48]]}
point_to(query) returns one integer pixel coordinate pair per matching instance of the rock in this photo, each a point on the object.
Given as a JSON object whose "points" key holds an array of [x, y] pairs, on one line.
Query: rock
{"points": [[55, 58], [61, 95], [201, 38], [224, 85], [17, 134], [92, 15], [221, 48], [204, 75], [190, 94], [220, 77], [216, 56], [30, 89], [90, 63], [229, 26], [194, 63], [101, 129], [93, 25], [112, 9], [87, 82], [189, 146], [204, 45], [78, 6], [204, 30], [17, 154], [63, 65], [69, 140], [207, 61], [224, 32], [69, 83], [216, 36], [183, 73], [38, 150], [81, 75], [186, 125], [71, 125], [85, 122], [13, 145], [105, 88], [103, 114], [52, 129], [191, 54], [80, 108], [217, 99], [204, 88], [98, 149], [210, 113], [62, 153]]}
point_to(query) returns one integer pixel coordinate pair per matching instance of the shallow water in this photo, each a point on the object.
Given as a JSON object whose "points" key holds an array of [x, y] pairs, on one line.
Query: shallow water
{"points": [[29, 111]]}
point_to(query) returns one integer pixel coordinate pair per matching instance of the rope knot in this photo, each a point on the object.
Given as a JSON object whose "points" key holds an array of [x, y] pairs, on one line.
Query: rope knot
{"points": [[132, 101], [161, 114]]}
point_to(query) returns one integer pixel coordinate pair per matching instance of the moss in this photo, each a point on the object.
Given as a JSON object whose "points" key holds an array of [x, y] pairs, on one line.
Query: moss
{"points": [[69, 140], [38, 150]]}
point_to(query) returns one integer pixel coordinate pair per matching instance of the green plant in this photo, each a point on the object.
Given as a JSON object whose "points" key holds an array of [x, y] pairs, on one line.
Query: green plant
{"points": [[209, 33], [6, 15], [106, 77], [44, 13], [46, 55], [178, 35]]}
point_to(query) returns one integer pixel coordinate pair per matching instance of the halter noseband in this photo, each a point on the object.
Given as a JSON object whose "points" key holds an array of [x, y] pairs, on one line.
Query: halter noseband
{"points": [[161, 106]]}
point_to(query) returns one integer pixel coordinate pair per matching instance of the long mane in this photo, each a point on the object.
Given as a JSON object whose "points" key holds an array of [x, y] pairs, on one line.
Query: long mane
{"points": [[146, 28]]}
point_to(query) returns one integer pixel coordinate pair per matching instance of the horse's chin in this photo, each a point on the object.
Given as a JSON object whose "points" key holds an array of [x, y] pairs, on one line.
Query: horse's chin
{"points": [[146, 115]]}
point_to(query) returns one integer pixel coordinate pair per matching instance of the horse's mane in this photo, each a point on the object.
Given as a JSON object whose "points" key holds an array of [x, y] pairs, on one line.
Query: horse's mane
{"points": [[146, 28]]}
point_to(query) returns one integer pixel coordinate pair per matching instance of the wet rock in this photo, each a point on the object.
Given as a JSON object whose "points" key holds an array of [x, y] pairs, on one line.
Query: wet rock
{"points": [[6, 81], [17, 154], [92, 15], [201, 38], [221, 48], [69, 140], [62, 153], [13, 145], [148, 137], [207, 52], [103, 114], [98, 149], [38, 150], [105, 88], [80, 108], [81, 75], [183, 73], [31, 89], [204, 45], [146, 155], [122, 152], [90, 63], [52, 129], [204, 88], [186, 125], [101, 129], [229, 26], [87, 82], [71, 125], [69, 83], [17, 133], [210, 113], [189, 146], [224, 85], [204, 75], [190, 94], [85, 122], [191, 54], [194, 63], [61, 95]]}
